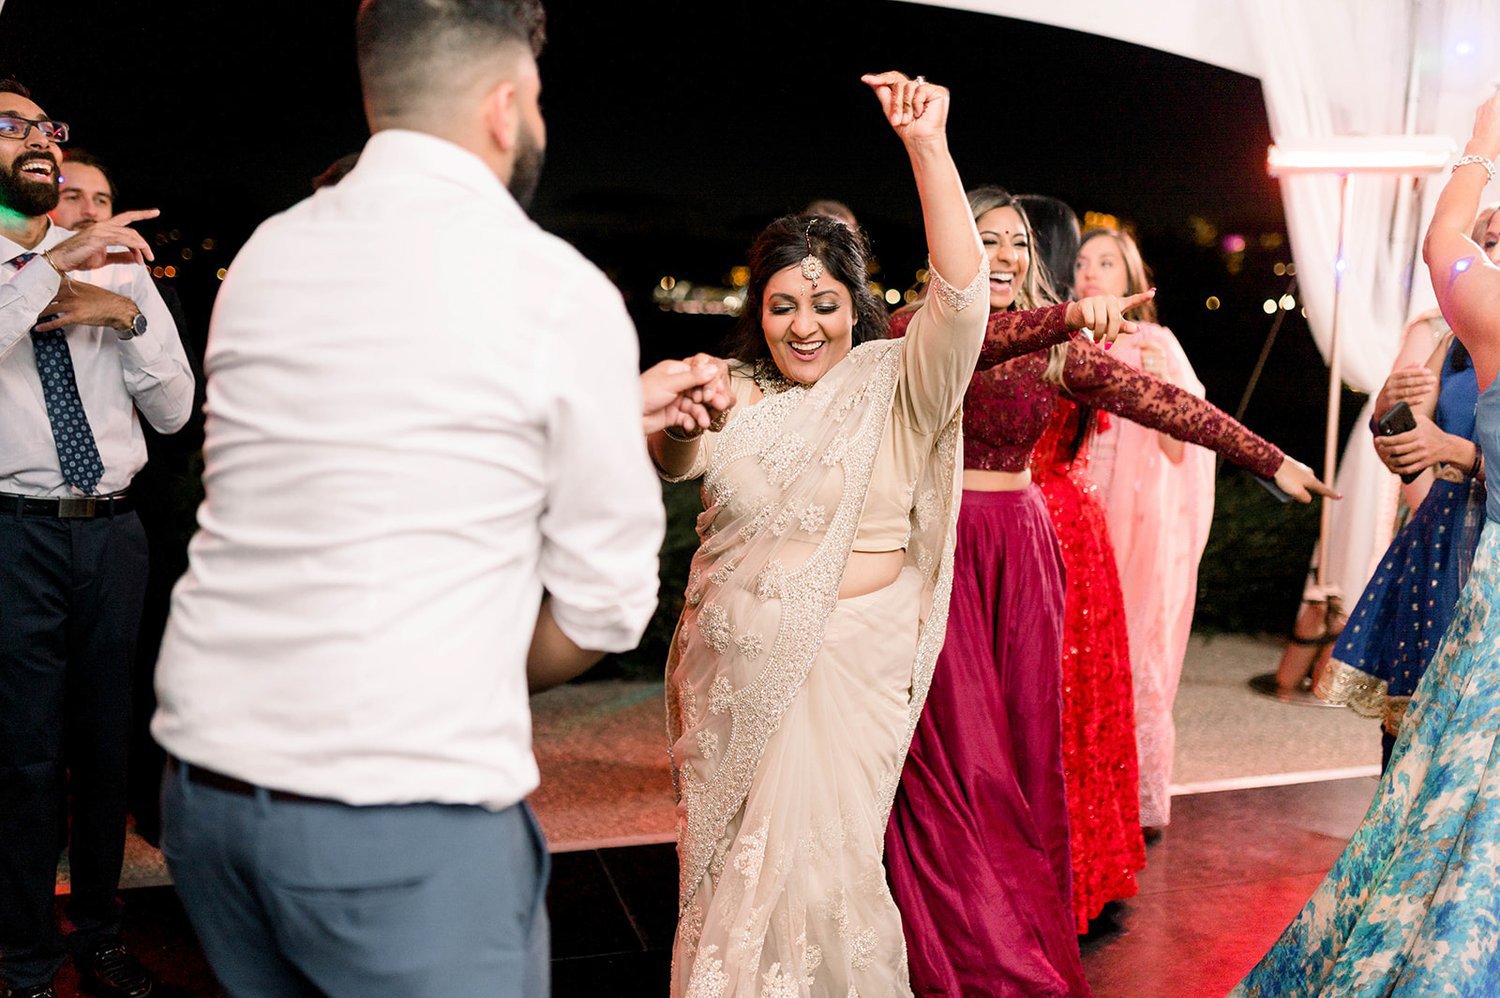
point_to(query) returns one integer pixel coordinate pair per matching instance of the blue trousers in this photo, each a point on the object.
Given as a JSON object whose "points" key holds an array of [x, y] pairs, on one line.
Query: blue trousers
{"points": [[70, 605], [293, 898]]}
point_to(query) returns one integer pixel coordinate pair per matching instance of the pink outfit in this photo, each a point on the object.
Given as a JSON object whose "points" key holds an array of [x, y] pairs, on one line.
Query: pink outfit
{"points": [[1158, 514]]}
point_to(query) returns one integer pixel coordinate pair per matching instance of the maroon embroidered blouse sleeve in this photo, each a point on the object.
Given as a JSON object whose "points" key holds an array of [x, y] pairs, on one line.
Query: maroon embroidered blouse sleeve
{"points": [[1100, 380], [1011, 334]]}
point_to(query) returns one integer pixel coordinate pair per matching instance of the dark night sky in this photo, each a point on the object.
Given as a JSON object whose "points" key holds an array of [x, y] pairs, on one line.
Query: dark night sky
{"points": [[677, 128]]}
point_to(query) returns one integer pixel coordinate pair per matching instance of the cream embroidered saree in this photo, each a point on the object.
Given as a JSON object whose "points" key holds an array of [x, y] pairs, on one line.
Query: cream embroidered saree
{"points": [[789, 710]]}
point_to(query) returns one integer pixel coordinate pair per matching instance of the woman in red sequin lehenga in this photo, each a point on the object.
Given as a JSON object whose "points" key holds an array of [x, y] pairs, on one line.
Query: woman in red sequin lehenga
{"points": [[1099, 753], [977, 850]]}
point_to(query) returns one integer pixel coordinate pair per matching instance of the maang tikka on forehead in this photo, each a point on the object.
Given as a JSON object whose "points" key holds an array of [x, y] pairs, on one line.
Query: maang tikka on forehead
{"points": [[812, 267]]}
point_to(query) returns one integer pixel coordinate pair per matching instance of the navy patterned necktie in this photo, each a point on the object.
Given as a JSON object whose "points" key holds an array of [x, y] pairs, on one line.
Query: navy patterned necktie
{"points": [[77, 453]]}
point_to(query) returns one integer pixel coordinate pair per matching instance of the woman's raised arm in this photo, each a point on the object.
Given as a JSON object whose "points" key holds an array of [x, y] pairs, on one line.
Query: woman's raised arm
{"points": [[1466, 282], [918, 111]]}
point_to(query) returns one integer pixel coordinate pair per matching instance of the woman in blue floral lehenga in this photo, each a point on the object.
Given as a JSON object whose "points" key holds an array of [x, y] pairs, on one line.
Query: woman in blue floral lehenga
{"points": [[1412, 907]]}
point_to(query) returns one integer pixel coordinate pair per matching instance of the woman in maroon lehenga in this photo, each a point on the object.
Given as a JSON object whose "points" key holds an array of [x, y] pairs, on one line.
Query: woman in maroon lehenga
{"points": [[977, 850], [1099, 754]]}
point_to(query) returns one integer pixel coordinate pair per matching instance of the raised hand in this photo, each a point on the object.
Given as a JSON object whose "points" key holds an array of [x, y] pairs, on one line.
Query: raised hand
{"points": [[916, 109], [1485, 140], [91, 247], [1411, 384], [79, 303], [1105, 314], [1297, 480]]}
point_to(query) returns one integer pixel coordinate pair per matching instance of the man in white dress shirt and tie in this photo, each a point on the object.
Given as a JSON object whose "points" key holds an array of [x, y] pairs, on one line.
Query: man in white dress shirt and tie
{"points": [[423, 413], [82, 357]]}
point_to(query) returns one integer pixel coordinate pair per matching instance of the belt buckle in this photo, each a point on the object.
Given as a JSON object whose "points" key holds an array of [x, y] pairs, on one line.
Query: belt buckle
{"points": [[75, 507]]}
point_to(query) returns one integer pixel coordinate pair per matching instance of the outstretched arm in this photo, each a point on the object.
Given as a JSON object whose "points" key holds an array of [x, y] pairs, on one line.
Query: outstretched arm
{"points": [[1014, 334], [1104, 382]]}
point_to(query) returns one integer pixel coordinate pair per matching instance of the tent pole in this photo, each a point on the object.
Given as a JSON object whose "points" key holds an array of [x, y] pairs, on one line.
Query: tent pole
{"points": [[1335, 390]]}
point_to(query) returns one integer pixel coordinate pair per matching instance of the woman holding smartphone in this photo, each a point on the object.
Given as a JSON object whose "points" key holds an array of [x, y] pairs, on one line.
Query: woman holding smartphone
{"points": [[1403, 613]]}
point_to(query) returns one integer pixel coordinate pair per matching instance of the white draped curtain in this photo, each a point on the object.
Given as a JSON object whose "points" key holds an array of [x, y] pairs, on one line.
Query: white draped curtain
{"points": [[1329, 68]]}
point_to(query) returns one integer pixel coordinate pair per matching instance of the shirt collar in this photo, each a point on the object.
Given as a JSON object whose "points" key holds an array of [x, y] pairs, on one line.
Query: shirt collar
{"points": [[55, 234], [398, 150]]}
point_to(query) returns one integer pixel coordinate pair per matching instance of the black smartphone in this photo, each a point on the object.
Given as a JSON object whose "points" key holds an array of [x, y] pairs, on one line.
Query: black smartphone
{"points": [[1399, 420]]}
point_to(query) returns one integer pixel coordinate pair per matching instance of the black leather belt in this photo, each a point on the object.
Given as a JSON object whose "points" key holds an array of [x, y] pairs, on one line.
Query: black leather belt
{"points": [[234, 785], [66, 507]]}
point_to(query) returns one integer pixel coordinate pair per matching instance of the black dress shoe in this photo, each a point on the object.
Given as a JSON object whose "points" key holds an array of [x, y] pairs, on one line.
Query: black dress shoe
{"points": [[107, 968], [36, 991]]}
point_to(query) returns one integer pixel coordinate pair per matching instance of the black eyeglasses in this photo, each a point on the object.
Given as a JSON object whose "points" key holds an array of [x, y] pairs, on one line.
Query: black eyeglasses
{"points": [[12, 127]]}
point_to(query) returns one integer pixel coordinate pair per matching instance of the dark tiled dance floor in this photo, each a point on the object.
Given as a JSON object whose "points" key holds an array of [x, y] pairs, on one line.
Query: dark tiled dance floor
{"points": [[1232, 871]]}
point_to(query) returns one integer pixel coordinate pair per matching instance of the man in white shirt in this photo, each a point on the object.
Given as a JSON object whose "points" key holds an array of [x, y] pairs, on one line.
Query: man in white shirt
{"points": [[80, 356], [423, 411]]}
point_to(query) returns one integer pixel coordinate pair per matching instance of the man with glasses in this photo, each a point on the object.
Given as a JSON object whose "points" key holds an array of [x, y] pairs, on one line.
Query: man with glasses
{"points": [[81, 354]]}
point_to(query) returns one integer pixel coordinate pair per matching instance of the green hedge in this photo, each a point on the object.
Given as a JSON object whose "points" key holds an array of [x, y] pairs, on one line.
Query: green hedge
{"points": [[1255, 565]]}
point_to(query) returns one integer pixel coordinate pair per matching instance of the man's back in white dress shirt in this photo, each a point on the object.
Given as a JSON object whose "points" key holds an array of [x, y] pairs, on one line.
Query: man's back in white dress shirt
{"points": [[422, 410]]}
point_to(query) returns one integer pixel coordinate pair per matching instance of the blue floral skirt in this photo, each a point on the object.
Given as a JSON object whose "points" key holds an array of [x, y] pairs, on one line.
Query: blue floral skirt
{"points": [[1412, 907], [1404, 612]]}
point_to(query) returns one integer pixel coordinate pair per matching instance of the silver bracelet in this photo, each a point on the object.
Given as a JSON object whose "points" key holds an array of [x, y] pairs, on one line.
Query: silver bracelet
{"points": [[1488, 164]]}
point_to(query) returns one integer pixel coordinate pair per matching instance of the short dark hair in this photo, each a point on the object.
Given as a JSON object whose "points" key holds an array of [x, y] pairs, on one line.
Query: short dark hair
{"points": [[11, 85], [409, 48], [85, 158], [845, 253]]}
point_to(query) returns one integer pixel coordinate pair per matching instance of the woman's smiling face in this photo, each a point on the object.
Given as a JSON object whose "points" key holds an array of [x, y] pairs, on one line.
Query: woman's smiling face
{"points": [[1009, 249], [808, 327]]}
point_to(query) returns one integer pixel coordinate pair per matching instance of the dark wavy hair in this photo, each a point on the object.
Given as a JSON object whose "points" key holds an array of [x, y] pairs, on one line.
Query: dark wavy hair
{"points": [[845, 253], [1055, 227]]}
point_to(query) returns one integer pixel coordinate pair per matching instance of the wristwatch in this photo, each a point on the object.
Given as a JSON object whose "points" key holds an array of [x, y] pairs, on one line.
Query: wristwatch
{"points": [[136, 328]]}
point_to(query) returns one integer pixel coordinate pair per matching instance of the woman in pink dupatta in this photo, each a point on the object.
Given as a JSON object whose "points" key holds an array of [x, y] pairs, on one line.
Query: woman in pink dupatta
{"points": [[1159, 496]]}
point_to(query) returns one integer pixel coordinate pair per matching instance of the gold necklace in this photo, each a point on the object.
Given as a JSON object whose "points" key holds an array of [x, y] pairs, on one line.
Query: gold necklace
{"points": [[770, 380]]}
